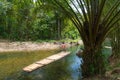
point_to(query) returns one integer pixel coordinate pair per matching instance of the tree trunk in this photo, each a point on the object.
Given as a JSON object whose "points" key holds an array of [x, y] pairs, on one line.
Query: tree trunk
{"points": [[59, 28], [93, 62]]}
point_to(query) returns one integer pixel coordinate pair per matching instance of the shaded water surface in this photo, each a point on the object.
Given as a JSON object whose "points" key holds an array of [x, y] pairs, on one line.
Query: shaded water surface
{"points": [[68, 68]]}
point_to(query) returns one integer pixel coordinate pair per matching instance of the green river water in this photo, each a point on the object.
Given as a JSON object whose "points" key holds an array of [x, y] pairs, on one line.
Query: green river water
{"points": [[12, 63]]}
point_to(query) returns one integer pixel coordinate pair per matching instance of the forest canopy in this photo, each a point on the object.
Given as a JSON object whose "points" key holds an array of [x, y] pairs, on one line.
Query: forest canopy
{"points": [[33, 20]]}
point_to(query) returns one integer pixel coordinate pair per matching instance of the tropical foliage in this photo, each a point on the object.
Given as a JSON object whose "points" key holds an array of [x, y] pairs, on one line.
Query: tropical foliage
{"points": [[31, 20], [115, 42], [94, 20]]}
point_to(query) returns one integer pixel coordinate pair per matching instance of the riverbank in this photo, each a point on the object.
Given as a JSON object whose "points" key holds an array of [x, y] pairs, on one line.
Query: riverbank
{"points": [[32, 46]]}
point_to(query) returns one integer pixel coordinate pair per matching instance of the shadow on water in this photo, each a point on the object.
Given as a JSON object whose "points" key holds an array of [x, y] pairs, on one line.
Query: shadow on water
{"points": [[67, 68]]}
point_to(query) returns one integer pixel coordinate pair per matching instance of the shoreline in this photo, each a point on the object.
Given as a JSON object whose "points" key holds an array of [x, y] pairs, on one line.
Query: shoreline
{"points": [[32, 46]]}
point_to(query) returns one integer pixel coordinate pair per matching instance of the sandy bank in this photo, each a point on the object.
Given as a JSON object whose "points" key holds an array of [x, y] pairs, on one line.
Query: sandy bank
{"points": [[30, 46]]}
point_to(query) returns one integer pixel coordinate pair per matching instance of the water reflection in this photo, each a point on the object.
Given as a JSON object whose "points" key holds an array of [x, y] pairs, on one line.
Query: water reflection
{"points": [[65, 69], [11, 63]]}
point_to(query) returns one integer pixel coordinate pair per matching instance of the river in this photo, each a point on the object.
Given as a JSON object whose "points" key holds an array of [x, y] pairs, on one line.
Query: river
{"points": [[68, 68]]}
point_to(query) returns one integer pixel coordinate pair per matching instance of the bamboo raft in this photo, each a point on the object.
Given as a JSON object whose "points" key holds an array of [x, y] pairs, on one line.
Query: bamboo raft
{"points": [[45, 61]]}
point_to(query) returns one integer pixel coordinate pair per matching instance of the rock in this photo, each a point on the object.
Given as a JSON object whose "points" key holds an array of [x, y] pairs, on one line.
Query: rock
{"points": [[108, 74], [118, 78], [79, 53], [116, 71]]}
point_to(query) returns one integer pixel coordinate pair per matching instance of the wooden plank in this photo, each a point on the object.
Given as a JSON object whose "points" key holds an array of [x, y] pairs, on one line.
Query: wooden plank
{"points": [[58, 56], [32, 67], [54, 57], [63, 53], [45, 61]]}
